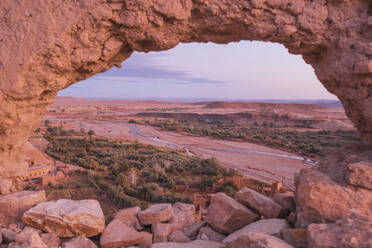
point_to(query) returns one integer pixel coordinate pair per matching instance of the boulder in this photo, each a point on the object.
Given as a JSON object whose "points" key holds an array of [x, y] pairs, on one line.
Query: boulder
{"points": [[67, 218], [146, 240], [9, 185], [129, 216], [350, 232], [291, 219], [207, 233], [286, 200], [192, 230], [161, 232], [183, 215], [360, 174], [8, 235], [323, 200], [28, 238], [296, 237], [51, 240], [254, 240], [156, 213], [266, 226], [301, 221], [14, 205], [119, 234], [29, 228], [262, 204], [17, 227], [79, 242], [193, 244], [226, 215], [179, 237]]}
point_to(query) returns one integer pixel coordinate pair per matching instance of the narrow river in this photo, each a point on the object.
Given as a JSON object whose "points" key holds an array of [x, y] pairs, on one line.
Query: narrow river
{"points": [[137, 133]]}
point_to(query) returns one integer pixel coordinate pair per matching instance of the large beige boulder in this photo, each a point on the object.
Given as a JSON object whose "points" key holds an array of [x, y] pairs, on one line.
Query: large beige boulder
{"points": [[79, 242], [118, 234], [183, 215], [193, 244], [323, 200], [13, 205], [129, 216], [226, 215], [262, 204], [67, 218], [254, 240], [266, 226], [350, 232], [28, 238], [156, 213], [360, 174]]}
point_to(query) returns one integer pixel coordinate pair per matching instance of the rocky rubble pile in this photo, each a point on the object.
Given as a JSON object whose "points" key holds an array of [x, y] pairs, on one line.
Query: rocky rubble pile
{"points": [[323, 213]]}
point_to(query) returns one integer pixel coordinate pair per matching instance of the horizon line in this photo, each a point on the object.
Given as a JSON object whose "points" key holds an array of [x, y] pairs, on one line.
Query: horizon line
{"points": [[204, 99]]}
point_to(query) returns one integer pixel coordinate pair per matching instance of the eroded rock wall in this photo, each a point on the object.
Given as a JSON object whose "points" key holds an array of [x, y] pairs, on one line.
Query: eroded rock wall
{"points": [[45, 46]]}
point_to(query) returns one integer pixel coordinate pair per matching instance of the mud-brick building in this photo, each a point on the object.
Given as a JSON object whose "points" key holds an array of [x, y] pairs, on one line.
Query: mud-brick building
{"points": [[37, 171]]}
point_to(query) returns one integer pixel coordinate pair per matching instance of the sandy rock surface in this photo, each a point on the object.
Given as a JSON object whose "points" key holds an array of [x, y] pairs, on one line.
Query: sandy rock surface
{"points": [[28, 238], [286, 200], [183, 215], [323, 200], [51, 240], [296, 237], [156, 213], [179, 237], [67, 218], [207, 233], [255, 240], [360, 174], [352, 232], [118, 234], [193, 244], [79, 242], [266, 226], [262, 204], [227, 215], [192, 230], [129, 216], [12, 206]]}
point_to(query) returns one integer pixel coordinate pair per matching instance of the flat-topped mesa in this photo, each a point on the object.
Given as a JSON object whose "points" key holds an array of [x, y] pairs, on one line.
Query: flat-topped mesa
{"points": [[47, 46]]}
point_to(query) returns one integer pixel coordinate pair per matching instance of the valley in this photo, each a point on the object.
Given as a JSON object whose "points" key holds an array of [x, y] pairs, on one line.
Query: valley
{"points": [[195, 129]]}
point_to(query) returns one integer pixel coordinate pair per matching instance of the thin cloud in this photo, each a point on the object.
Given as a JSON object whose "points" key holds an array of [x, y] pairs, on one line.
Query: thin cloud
{"points": [[147, 70]]}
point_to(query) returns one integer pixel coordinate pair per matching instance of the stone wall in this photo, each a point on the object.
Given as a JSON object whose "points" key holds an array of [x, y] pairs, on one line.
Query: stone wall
{"points": [[37, 172]]}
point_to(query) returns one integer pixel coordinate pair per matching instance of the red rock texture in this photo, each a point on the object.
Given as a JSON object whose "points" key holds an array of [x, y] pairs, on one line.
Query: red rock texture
{"points": [[48, 45]]}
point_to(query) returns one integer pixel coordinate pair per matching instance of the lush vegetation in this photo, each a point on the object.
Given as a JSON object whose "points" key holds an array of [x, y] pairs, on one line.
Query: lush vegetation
{"points": [[308, 143], [110, 165]]}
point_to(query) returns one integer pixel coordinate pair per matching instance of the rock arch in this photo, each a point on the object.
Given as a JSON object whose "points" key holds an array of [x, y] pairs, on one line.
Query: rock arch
{"points": [[46, 46]]}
